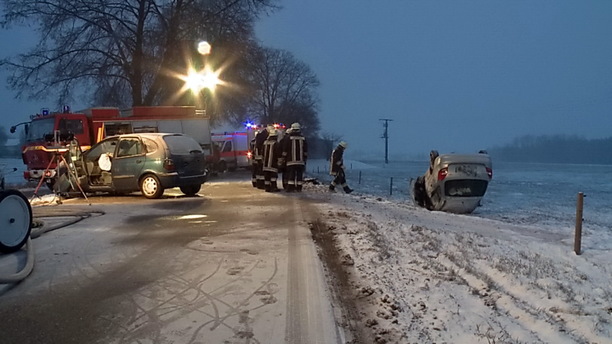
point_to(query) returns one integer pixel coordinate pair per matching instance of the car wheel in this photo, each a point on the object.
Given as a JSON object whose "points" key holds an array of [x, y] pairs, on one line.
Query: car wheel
{"points": [[190, 190], [15, 208], [151, 187]]}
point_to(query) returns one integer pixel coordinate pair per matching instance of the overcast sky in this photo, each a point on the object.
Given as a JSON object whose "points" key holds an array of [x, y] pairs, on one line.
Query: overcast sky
{"points": [[453, 75]]}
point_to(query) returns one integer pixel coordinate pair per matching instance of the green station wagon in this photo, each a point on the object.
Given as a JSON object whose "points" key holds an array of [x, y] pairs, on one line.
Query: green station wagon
{"points": [[145, 162]]}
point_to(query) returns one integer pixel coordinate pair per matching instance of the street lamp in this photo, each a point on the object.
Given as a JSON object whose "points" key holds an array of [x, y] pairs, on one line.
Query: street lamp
{"points": [[201, 76], [204, 48]]}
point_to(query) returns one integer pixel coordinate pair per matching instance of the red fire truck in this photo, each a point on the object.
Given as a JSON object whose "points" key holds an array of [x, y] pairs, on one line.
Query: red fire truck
{"points": [[49, 134]]}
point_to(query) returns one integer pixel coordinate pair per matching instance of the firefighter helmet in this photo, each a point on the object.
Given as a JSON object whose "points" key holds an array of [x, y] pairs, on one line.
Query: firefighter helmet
{"points": [[343, 144]]}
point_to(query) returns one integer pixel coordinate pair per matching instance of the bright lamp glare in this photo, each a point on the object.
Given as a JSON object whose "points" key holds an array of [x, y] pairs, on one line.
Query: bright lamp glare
{"points": [[210, 80], [192, 81], [205, 79]]}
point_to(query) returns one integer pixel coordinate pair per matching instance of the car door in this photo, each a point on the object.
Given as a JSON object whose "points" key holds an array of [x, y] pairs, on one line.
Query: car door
{"points": [[128, 162], [90, 161]]}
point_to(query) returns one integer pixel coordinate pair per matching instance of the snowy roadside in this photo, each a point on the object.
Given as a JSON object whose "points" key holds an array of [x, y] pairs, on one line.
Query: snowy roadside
{"points": [[423, 277], [432, 277]]}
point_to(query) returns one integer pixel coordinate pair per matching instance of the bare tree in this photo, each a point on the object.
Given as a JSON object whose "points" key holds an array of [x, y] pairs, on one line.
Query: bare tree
{"points": [[124, 53], [285, 88]]}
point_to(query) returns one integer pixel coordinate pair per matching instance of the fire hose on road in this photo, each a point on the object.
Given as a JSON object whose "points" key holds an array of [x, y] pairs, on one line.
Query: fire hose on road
{"points": [[16, 230]]}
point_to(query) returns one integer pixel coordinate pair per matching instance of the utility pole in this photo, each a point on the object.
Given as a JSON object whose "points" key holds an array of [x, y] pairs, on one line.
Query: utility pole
{"points": [[386, 137]]}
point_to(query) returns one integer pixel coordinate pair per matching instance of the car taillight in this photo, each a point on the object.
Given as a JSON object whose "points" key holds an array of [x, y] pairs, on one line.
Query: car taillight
{"points": [[169, 165], [490, 172], [442, 173]]}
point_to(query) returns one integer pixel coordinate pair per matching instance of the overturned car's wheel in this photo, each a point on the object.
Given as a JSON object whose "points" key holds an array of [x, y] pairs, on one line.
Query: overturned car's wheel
{"points": [[151, 187], [15, 220], [190, 190]]}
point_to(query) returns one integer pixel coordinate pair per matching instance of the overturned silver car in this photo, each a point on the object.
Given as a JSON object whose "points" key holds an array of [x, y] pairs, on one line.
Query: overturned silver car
{"points": [[453, 183]]}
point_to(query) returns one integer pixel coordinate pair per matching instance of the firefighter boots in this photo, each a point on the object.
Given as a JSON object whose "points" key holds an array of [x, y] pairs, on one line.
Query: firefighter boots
{"points": [[348, 190]]}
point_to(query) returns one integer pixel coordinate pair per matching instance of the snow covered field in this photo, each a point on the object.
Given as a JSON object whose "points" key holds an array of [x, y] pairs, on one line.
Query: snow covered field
{"points": [[505, 274]]}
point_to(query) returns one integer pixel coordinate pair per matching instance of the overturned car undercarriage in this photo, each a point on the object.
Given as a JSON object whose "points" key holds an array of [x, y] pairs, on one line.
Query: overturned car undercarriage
{"points": [[454, 183]]}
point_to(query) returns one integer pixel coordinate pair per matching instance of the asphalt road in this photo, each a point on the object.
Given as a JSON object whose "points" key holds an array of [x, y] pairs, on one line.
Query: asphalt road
{"points": [[232, 265]]}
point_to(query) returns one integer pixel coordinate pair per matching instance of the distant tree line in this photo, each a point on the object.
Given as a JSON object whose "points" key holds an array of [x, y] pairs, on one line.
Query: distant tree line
{"points": [[555, 149]]}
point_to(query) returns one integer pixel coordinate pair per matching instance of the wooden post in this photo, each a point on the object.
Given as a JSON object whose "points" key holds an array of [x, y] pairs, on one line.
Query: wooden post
{"points": [[391, 187], [578, 234], [359, 178]]}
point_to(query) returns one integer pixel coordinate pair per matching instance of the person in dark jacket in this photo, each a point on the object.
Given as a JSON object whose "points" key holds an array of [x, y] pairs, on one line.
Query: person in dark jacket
{"points": [[295, 153], [253, 161], [271, 155], [282, 165], [260, 138], [336, 168]]}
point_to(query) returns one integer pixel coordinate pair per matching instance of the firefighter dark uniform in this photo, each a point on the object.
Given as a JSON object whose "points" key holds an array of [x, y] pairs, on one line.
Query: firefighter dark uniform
{"points": [[295, 153], [260, 138], [253, 162], [282, 165], [336, 168], [271, 155]]}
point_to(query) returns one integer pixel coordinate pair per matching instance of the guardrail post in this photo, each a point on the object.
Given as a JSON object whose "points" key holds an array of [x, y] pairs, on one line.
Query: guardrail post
{"points": [[578, 233]]}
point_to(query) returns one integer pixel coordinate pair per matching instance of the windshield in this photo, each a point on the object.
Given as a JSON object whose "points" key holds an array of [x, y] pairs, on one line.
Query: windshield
{"points": [[42, 127], [39, 128]]}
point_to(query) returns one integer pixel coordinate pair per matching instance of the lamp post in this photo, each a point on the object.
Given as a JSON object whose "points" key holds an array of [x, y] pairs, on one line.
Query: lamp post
{"points": [[201, 79]]}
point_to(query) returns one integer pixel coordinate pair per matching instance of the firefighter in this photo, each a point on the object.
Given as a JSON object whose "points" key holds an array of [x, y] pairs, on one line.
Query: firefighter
{"points": [[271, 156], [260, 138], [336, 168], [282, 164], [253, 161], [295, 153]]}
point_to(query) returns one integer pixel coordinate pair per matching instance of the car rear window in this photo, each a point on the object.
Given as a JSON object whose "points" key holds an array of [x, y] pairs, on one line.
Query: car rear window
{"points": [[180, 144], [465, 188]]}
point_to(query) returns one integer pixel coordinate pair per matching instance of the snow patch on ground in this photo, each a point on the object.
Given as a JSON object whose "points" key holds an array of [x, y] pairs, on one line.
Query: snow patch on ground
{"points": [[434, 277]]}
